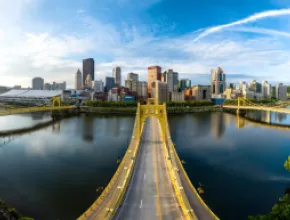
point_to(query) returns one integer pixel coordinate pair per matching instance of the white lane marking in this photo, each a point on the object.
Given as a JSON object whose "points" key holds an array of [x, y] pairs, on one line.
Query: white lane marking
{"points": [[144, 176], [141, 203]]}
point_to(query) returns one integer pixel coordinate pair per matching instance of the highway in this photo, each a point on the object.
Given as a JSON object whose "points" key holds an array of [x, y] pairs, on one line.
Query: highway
{"points": [[150, 194]]}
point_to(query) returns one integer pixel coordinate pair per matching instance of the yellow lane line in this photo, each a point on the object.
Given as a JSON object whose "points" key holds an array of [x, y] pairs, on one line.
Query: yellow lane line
{"points": [[159, 212]]}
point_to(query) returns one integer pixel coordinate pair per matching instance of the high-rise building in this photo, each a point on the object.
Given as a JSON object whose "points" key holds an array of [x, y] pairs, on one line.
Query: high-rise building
{"points": [[273, 92], [133, 76], [88, 82], [184, 84], [37, 83], [98, 86], [161, 92], [255, 86], [218, 79], [281, 91], [154, 74], [171, 78], [110, 83], [88, 69], [78, 80], [117, 75], [266, 89], [142, 89]]}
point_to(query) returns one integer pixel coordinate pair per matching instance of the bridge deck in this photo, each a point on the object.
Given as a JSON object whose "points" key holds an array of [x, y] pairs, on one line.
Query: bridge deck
{"points": [[150, 194]]}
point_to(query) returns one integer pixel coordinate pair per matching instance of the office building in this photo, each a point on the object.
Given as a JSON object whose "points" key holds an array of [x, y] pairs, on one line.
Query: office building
{"points": [[255, 86], [201, 92], [142, 89], [88, 82], [266, 89], [110, 83], [218, 80], [243, 88], [161, 92], [176, 96], [281, 92], [133, 76], [273, 92], [171, 78], [154, 74], [88, 69], [98, 86], [184, 84], [37, 83], [117, 76], [78, 80]]}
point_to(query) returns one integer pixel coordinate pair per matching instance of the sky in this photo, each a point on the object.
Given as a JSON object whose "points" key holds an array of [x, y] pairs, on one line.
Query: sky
{"points": [[249, 39]]}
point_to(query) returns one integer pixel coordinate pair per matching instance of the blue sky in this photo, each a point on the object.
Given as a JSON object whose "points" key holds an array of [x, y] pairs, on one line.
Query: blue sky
{"points": [[249, 39]]}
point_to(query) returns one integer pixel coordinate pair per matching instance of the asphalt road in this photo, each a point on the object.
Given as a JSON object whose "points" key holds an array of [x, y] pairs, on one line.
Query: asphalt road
{"points": [[150, 193]]}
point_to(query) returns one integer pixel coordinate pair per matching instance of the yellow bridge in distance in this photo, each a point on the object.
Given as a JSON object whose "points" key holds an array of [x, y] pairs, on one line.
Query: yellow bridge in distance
{"points": [[56, 105]]}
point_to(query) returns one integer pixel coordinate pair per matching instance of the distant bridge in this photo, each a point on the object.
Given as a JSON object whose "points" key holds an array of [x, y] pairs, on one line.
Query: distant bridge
{"points": [[245, 104], [55, 106], [150, 182]]}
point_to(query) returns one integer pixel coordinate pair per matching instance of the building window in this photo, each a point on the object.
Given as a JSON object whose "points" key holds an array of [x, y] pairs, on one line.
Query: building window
{"points": [[213, 88]]}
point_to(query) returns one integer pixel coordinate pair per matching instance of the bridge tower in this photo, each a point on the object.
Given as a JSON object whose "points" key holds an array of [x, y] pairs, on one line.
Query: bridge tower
{"points": [[151, 109]]}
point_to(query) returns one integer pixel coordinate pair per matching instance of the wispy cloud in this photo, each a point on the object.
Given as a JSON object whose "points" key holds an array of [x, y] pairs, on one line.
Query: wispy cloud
{"points": [[56, 55], [252, 18]]}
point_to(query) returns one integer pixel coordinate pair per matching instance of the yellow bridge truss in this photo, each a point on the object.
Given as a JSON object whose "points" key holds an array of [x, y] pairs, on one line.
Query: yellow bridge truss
{"points": [[56, 105], [113, 195]]}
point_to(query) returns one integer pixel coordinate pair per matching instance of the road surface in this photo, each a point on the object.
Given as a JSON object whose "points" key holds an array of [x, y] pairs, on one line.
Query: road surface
{"points": [[150, 194]]}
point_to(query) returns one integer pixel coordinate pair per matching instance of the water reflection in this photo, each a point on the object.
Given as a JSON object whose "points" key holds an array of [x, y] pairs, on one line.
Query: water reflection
{"points": [[88, 128], [12, 122], [269, 117], [233, 163], [60, 171], [218, 124]]}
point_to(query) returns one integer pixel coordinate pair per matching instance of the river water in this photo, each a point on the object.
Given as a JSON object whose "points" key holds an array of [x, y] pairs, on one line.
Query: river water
{"points": [[53, 173]]}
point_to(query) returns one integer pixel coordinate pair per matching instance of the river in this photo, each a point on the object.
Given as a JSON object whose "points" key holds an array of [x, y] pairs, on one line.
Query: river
{"points": [[53, 173]]}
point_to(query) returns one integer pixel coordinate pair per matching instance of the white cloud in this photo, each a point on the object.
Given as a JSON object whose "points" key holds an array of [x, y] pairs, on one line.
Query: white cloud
{"points": [[56, 56], [252, 18]]}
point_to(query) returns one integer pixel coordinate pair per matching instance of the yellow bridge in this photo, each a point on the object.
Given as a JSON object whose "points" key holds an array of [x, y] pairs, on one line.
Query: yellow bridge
{"points": [[55, 106], [245, 104], [150, 182]]}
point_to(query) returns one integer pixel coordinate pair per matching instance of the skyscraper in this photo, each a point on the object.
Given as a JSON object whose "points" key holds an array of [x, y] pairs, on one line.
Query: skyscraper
{"points": [[37, 83], [266, 89], [218, 79], [88, 69], [133, 76], [281, 91], [255, 86], [161, 92], [154, 74], [110, 83], [78, 80], [171, 78], [184, 84], [117, 75]]}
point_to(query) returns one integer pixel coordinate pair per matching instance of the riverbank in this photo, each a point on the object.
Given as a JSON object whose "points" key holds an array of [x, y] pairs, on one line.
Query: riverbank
{"points": [[8, 213], [132, 110]]}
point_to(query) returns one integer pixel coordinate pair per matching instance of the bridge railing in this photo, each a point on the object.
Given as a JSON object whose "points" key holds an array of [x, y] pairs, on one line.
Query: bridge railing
{"points": [[183, 197], [112, 196]]}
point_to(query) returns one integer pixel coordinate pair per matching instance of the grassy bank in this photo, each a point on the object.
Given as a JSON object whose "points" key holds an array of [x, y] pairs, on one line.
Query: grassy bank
{"points": [[8, 213]]}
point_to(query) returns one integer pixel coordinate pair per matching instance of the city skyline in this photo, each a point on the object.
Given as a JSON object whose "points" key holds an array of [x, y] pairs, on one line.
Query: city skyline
{"points": [[251, 42]]}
